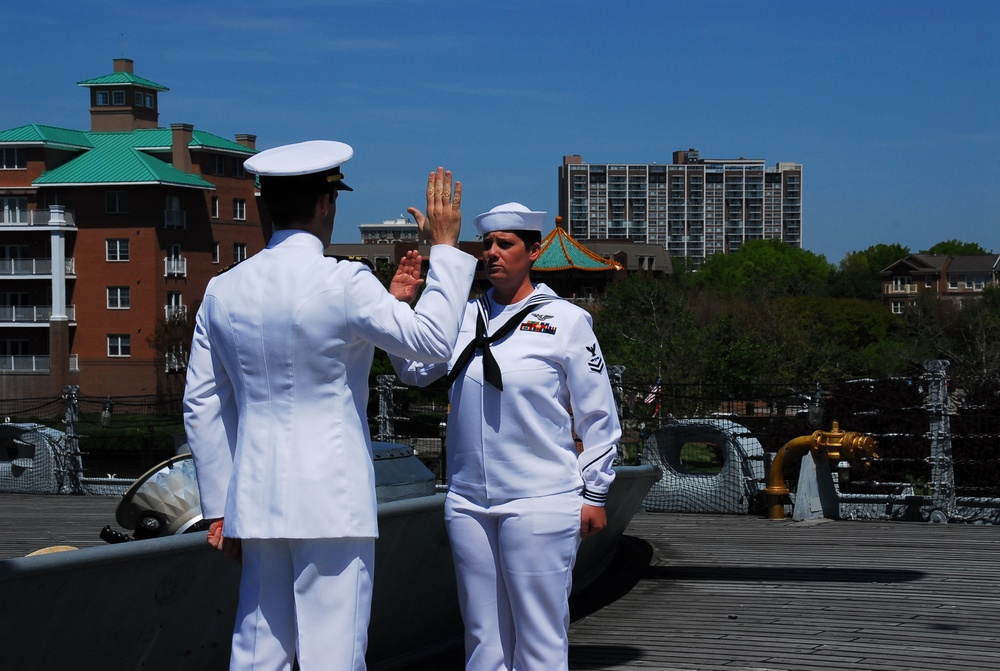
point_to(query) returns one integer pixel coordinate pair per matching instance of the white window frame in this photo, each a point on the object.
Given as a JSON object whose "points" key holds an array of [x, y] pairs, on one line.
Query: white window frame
{"points": [[119, 298], [118, 98], [102, 98], [19, 162], [215, 254], [139, 99], [239, 209], [239, 252], [116, 250], [150, 101], [119, 345], [215, 207]]}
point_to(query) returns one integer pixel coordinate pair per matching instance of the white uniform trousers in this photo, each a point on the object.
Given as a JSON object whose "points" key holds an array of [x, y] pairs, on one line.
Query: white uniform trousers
{"points": [[514, 563], [309, 598]]}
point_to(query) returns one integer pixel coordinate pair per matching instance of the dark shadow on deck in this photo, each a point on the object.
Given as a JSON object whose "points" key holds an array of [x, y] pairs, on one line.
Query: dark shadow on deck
{"points": [[602, 656], [780, 574], [629, 565]]}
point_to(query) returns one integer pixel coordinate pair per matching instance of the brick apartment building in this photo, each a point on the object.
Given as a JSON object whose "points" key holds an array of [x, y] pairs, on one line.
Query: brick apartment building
{"points": [[110, 235]]}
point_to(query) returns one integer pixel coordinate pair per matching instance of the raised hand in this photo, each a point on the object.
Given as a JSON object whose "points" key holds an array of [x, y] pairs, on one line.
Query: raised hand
{"points": [[407, 281], [443, 222]]}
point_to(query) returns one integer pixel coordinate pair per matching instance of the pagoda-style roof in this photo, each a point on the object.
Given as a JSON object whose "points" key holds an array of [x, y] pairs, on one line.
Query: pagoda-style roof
{"points": [[561, 252]]}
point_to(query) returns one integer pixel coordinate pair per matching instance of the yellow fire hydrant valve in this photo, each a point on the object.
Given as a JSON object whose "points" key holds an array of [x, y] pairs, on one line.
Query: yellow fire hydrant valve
{"points": [[835, 445]]}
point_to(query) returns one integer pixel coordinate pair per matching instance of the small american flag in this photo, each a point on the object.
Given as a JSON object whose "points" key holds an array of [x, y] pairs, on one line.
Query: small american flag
{"points": [[654, 392]]}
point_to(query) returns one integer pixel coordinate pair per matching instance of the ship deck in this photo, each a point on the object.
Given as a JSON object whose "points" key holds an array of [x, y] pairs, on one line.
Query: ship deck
{"points": [[722, 592]]}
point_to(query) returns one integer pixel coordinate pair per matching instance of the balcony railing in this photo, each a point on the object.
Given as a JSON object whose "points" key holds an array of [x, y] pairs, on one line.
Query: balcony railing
{"points": [[24, 364], [901, 289], [176, 363], [174, 219], [175, 312], [34, 364], [175, 266], [31, 314], [33, 267], [37, 218]]}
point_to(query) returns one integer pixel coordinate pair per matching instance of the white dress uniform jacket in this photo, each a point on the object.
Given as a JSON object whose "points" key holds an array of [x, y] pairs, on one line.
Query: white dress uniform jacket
{"points": [[519, 442], [277, 384]]}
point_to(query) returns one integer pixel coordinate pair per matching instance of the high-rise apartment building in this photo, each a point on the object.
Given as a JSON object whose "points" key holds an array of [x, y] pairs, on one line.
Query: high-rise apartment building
{"points": [[694, 207]]}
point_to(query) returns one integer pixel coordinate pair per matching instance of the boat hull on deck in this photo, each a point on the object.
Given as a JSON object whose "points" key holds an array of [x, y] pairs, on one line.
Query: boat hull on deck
{"points": [[169, 603]]}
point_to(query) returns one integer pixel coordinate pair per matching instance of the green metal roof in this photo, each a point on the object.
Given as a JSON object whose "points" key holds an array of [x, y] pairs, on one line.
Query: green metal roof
{"points": [[47, 135], [115, 160], [118, 158], [122, 78], [562, 252], [159, 139]]}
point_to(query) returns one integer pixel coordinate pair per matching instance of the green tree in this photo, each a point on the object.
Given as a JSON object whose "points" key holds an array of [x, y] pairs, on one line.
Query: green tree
{"points": [[859, 273], [762, 268], [956, 248], [967, 334], [645, 323], [842, 338]]}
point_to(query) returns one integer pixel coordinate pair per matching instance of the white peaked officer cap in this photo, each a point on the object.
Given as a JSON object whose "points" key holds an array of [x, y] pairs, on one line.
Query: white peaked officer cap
{"points": [[509, 217], [319, 159]]}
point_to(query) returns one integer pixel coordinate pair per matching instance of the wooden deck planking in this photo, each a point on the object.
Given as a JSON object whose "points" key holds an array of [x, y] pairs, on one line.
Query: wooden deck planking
{"points": [[714, 592], [730, 592]]}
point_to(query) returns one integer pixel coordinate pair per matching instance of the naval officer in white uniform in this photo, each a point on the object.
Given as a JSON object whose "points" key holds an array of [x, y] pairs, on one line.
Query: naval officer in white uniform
{"points": [[274, 408], [527, 372]]}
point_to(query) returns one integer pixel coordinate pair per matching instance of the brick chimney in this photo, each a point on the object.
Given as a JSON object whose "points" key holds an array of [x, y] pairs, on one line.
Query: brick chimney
{"points": [[180, 139], [124, 65], [247, 140]]}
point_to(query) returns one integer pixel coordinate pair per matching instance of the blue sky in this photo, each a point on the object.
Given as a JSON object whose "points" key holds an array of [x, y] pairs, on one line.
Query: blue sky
{"points": [[892, 107]]}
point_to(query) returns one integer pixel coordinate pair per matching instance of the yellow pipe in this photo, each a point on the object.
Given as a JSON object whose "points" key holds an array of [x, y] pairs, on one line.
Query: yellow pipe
{"points": [[776, 490], [835, 445]]}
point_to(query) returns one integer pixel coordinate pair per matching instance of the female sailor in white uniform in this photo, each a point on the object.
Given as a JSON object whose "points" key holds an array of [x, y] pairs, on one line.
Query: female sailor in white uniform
{"points": [[526, 374]]}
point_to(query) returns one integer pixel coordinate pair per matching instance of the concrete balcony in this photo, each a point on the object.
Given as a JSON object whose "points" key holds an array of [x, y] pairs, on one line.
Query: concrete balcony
{"points": [[39, 218]]}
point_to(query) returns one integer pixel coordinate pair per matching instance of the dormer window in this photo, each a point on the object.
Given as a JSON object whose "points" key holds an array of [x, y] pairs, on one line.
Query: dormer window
{"points": [[118, 98], [102, 98]]}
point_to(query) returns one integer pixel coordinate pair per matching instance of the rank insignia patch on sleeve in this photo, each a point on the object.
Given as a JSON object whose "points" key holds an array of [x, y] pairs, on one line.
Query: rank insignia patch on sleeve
{"points": [[596, 361]]}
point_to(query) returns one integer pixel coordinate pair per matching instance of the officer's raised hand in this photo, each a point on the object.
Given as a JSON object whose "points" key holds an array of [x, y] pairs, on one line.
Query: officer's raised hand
{"points": [[443, 222]]}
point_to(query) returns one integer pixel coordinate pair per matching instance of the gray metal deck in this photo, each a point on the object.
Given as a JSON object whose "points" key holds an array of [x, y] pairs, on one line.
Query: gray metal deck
{"points": [[726, 592]]}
